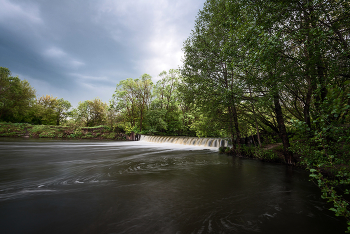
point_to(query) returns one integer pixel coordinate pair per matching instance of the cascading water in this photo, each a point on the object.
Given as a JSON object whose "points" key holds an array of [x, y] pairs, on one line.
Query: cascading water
{"points": [[195, 141]]}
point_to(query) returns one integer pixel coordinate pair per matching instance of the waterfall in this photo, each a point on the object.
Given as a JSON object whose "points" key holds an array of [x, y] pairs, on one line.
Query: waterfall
{"points": [[195, 141]]}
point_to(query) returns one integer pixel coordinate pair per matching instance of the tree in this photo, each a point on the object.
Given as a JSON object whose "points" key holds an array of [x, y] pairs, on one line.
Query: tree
{"points": [[50, 111], [165, 113], [132, 99], [97, 112], [210, 80], [143, 95], [16, 97], [282, 66], [62, 108], [46, 110], [90, 112]]}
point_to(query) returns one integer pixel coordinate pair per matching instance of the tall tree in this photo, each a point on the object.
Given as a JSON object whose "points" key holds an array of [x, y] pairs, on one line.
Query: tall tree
{"points": [[90, 112], [209, 79], [16, 97], [165, 103], [132, 99], [62, 108]]}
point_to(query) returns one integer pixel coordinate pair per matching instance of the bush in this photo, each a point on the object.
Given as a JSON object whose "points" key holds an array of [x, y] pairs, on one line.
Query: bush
{"points": [[37, 129], [222, 149], [50, 134], [112, 135], [78, 133], [266, 155], [228, 150], [247, 151], [71, 135]]}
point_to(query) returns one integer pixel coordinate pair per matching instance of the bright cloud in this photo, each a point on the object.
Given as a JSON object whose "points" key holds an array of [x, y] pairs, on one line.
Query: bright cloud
{"points": [[156, 28], [87, 77], [62, 57], [54, 52], [24, 11]]}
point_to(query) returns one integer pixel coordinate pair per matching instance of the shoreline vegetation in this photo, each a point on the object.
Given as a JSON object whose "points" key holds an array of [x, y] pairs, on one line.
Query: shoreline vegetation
{"points": [[272, 153], [61, 132], [267, 153]]}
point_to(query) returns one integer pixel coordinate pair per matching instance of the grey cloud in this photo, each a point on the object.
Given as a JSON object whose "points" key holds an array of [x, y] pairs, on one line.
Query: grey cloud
{"points": [[80, 49]]}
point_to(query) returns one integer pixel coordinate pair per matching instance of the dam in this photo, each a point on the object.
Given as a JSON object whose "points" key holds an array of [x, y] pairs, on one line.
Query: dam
{"points": [[193, 141]]}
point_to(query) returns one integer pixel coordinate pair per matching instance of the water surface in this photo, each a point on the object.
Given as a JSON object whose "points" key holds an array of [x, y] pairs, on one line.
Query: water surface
{"points": [[55, 186]]}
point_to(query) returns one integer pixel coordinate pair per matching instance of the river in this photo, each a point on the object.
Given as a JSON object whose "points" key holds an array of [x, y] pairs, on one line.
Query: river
{"points": [[57, 186]]}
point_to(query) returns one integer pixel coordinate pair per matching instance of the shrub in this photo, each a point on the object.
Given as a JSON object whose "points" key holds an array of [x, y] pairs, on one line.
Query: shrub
{"points": [[78, 133], [37, 129], [71, 135], [50, 134], [228, 150], [112, 135]]}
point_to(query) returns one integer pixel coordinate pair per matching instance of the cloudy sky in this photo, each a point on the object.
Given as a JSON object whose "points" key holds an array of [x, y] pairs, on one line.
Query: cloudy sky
{"points": [[80, 49]]}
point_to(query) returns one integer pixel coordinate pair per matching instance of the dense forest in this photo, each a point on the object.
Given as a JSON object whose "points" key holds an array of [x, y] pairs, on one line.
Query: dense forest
{"points": [[279, 68]]}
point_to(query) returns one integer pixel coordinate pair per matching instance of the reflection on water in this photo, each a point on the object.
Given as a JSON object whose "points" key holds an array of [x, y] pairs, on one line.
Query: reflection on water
{"points": [[49, 186]]}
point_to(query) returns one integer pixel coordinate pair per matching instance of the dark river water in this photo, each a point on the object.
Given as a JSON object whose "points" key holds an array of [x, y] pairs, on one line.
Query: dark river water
{"points": [[54, 186]]}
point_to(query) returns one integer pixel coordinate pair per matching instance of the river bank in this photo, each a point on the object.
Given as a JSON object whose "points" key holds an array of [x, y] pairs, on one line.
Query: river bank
{"points": [[267, 153], [60, 132]]}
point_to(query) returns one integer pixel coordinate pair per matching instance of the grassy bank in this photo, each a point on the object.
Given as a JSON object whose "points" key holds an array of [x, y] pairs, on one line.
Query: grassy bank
{"points": [[60, 132]]}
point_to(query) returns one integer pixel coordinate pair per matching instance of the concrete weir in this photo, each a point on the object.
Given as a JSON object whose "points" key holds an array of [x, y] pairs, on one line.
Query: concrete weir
{"points": [[194, 141]]}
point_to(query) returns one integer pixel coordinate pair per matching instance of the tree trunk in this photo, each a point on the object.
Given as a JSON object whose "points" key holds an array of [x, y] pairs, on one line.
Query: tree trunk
{"points": [[231, 128], [238, 133], [256, 122], [307, 104], [288, 155]]}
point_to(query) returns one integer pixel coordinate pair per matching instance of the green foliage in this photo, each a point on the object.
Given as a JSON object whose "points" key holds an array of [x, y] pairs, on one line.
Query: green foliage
{"points": [[71, 136], [90, 113], [52, 131], [155, 121], [16, 97], [248, 151], [78, 133], [49, 134], [266, 155], [222, 149], [38, 129], [12, 130], [131, 99], [50, 111], [112, 135], [325, 148]]}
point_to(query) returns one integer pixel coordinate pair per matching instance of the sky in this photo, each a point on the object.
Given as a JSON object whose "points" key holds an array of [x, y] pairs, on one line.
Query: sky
{"points": [[81, 49]]}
